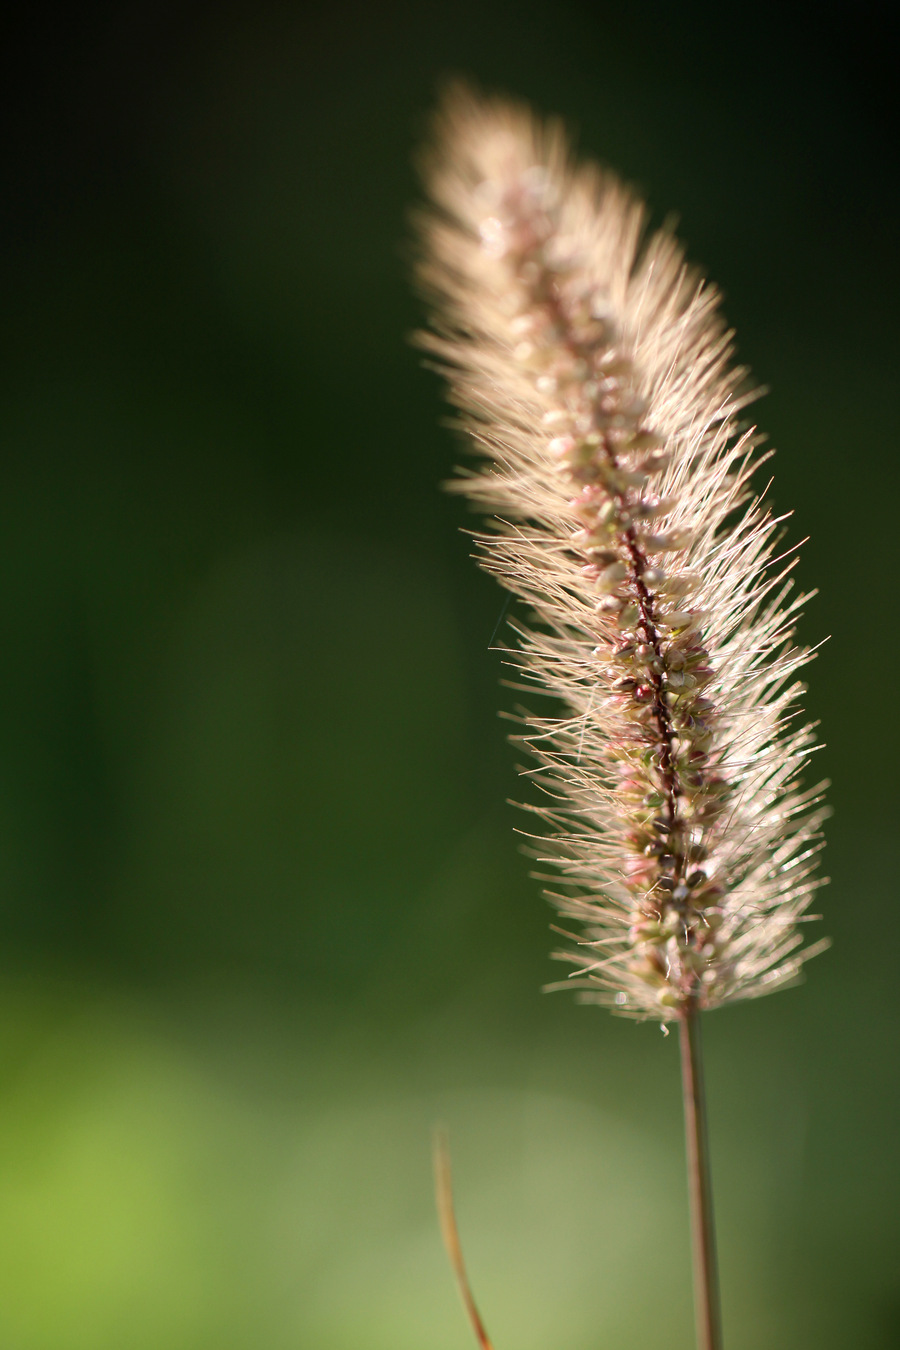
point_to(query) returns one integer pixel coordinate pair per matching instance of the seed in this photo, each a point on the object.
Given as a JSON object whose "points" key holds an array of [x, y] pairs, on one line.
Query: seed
{"points": [[678, 618], [613, 575], [646, 440], [616, 365], [672, 542], [653, 576]]}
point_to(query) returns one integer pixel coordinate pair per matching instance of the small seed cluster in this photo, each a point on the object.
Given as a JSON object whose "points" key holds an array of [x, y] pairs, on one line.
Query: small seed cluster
{"points": [[596, 381]]}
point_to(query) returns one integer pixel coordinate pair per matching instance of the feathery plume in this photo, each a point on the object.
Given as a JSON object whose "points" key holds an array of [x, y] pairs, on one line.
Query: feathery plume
{"points": [[593, 371]]}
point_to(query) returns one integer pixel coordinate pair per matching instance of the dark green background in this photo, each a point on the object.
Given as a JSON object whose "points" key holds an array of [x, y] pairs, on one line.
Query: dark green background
{"points": [[263, 918]]}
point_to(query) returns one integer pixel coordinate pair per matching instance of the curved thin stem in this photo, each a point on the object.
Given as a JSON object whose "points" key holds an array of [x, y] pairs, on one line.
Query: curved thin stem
{"points": [[443, 1182], [706, 1276]]}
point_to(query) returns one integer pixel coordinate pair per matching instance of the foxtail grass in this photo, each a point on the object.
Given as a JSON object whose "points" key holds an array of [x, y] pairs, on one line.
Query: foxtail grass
{"points": [[593, 375]]}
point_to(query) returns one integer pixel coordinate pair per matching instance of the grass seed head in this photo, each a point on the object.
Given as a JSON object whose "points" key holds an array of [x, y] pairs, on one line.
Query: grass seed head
{"points": [[593, 372]]}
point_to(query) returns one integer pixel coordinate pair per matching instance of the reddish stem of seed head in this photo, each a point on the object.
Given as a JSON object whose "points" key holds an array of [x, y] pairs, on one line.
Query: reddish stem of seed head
{"points": [[639, 563], [660, 707], [645, 600]]}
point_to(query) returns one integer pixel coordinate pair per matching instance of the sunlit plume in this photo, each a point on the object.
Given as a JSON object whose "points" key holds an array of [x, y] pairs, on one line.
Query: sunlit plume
{"points": [[593, 373]]}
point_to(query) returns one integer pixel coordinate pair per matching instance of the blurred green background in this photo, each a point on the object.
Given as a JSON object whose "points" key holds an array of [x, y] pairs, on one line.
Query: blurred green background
{"points": [[263, 917]]}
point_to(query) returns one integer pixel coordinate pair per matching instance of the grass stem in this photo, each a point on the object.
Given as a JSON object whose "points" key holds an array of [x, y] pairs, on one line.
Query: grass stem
{"points": [[706, 1276]]}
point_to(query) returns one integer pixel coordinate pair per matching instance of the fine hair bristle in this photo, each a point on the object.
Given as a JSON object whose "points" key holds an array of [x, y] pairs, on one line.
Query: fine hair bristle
{"points": [[593, 372]]}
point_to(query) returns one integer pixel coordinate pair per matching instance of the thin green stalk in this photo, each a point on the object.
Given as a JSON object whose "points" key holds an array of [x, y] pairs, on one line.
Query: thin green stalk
{"points": [[703, 1236]]}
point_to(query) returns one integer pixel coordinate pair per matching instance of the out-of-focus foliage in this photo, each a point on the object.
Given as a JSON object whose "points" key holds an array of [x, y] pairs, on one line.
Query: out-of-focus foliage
{"points": [[263, 920]]}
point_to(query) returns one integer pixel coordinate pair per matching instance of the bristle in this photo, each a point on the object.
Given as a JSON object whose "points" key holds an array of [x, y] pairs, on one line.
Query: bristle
{"points": [[594, 375]]}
